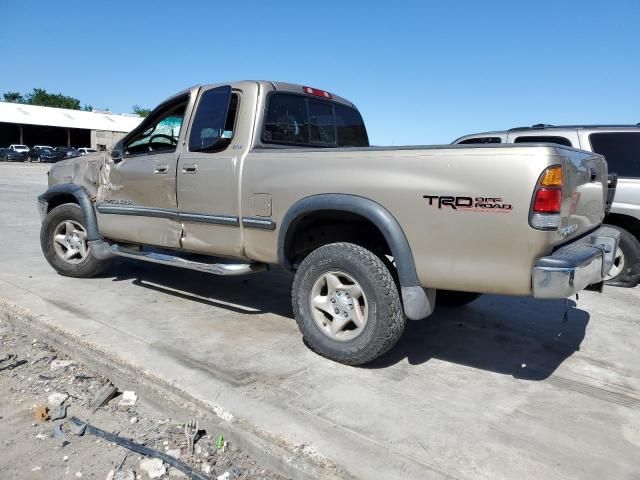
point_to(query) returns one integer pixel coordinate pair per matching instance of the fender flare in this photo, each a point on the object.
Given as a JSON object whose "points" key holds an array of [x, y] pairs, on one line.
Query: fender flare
{"points": [[417, 303], [83, 199]]}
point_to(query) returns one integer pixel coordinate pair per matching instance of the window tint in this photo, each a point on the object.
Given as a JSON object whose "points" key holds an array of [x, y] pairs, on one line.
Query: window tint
{"points": [[321, 126], [214, 119], [350, 127], [298, 120], [161, 131], [286, 120], [621, 149], [480, 140], [544, 139]]}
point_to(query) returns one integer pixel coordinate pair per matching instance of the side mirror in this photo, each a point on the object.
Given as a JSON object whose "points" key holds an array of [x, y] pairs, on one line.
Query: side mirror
{"points": [[116, 153]]}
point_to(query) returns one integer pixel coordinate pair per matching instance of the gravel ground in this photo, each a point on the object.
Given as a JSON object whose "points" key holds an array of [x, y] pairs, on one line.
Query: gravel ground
{"points": [[30, 450]]}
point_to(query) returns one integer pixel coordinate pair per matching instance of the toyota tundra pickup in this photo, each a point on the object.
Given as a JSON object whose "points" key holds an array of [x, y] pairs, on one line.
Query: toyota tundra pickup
{"points": [[231, 178]]}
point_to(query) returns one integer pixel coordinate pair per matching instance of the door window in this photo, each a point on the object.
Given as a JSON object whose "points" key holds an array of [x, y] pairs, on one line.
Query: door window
{"points": [[214, 120], [621, 150], [159, 132]]}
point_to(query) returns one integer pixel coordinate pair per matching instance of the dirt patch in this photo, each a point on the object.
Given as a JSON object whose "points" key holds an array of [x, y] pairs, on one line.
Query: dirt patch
{"points": [[38, 384]]}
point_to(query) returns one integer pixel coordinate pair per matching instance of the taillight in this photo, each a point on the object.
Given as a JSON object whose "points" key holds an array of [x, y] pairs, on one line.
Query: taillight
{"points": [[547, 200]]}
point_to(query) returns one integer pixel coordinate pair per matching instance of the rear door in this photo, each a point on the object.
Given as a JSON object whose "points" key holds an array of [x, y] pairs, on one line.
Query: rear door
{"points": [[137, 199]]}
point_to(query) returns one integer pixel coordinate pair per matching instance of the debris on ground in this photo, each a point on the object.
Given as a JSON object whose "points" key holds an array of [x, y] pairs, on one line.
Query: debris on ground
{"points": [[61, 364], [105, 394], [41, 413], [153, 467], [191, 431], [53, 389], [128, 399]]}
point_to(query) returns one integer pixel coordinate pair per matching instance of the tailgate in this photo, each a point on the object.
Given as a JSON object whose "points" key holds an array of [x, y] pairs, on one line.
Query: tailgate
{"points": [[584, 193]]}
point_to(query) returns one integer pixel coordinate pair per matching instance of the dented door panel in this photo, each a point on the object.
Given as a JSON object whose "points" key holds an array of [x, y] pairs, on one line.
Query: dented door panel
{"points": [[136, 201]]}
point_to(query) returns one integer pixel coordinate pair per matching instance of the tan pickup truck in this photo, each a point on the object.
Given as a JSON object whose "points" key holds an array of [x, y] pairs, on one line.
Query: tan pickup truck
{"points": [[232, 178]]}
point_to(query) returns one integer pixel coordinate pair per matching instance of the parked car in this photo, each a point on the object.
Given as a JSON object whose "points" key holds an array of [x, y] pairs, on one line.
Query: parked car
{"points": [[43, 155], [19, 148], [43, 146], [620, 144], [67, 152], [10, 155], [86, 150], [275, 173]]}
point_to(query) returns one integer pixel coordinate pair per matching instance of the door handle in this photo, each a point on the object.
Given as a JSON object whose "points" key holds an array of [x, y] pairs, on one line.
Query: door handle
{"points": [[161, 169], [189, 168]]}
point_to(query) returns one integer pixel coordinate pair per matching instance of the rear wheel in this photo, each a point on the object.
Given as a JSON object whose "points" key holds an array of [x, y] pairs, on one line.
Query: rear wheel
{"points": [[626, 265], [347, 304], [450, 298], [63, 239]]}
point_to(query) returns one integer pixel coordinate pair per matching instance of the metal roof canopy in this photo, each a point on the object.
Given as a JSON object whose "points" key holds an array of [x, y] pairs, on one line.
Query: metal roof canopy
{"points": [[63, 117]]}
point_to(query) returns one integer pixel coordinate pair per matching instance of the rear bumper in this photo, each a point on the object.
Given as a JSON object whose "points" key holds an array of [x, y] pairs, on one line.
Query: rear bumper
{"points": [[575, 266]]}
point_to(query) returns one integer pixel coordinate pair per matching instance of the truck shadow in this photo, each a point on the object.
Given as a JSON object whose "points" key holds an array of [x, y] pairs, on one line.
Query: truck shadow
{"points": [[515, 336]]}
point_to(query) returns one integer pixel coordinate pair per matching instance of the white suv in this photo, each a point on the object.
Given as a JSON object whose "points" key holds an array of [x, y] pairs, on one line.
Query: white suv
{"points": [[620, 144]]}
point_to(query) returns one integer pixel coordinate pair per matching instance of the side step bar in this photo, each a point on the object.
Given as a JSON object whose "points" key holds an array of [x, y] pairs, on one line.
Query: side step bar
{"points": [[175, 261]]}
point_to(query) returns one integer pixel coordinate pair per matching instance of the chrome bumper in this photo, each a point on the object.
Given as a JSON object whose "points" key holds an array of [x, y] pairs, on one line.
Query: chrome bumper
{"points": [[575, 266]]}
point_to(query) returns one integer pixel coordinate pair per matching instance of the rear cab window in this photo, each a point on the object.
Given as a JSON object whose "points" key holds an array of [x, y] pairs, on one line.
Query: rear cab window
{"points": [[299, 120], [621, 150]]}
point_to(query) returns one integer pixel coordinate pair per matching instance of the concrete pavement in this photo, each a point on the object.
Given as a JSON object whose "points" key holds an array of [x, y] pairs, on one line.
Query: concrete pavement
{"points": [[498, 389]]}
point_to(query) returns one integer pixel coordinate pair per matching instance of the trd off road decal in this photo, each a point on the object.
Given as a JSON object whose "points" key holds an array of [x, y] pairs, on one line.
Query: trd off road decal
{"points": [[473, 204]]}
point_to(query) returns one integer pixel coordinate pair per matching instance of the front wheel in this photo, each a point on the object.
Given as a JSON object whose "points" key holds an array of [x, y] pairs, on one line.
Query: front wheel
{"points": [[347, 304], [63, 238], [625, 271]]}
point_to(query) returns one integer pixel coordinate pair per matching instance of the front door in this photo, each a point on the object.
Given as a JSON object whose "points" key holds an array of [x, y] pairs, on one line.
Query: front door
{"points": [[137, 201]]}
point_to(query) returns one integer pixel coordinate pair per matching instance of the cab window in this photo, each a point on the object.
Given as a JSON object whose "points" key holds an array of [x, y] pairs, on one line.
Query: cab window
{"points": [[544, 139], [621, 150], [293, 119], [160, 131], [480, 140], [214, 121]]}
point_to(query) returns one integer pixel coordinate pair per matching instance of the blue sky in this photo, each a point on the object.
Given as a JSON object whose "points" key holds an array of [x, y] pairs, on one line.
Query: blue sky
{"points": [[421, 72]]}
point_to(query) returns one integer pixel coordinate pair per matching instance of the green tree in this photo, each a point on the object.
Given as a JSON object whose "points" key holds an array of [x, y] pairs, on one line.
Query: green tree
{"points": [[13, 97], [141, 111], [86, 108], [39, 96]]}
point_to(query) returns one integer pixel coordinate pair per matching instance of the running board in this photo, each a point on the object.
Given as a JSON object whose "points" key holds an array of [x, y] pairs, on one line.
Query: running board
{"points": [[175, 261]]}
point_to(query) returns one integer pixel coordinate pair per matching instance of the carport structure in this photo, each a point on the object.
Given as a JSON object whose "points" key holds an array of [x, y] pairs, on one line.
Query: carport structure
{"points": [[34, 125]]}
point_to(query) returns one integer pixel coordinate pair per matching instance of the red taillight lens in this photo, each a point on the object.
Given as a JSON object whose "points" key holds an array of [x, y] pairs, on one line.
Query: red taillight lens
{"points": [[548, 200]]}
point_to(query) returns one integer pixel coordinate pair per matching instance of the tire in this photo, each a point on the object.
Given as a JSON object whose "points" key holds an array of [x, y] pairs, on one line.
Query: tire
{"points": [[379, 307], [451, 298], [626, 269], [82, 264]]}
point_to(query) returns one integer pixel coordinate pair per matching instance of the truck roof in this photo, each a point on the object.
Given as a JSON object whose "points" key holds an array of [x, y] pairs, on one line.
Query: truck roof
{"points": [[279, 86]]}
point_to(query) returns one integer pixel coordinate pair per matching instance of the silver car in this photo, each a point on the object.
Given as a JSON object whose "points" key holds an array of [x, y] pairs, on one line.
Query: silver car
{"points": [[620, 144]]}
